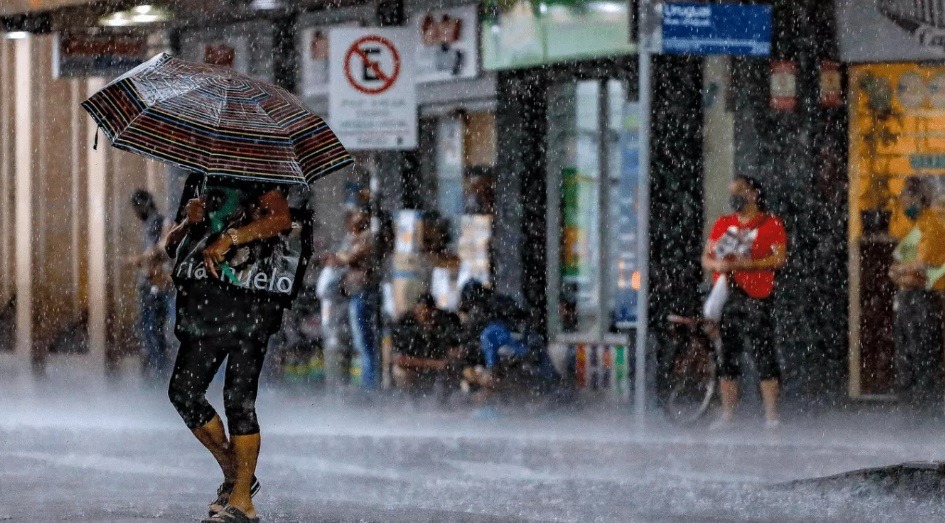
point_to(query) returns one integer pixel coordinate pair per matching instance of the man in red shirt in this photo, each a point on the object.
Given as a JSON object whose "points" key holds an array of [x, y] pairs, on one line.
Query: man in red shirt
{"points": [[747, 247]]}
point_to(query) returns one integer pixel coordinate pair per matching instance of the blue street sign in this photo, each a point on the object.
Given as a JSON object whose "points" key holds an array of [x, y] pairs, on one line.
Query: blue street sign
{"points": [[704, 29]]}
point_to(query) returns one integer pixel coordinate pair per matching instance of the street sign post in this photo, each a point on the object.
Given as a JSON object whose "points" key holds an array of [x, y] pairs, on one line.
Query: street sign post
{"points": [[706, 29], [647, 32], [372, 93]]}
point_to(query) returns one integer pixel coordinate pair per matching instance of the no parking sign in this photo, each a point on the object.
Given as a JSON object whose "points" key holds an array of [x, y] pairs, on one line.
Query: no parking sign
{"points": [[372, 91]]}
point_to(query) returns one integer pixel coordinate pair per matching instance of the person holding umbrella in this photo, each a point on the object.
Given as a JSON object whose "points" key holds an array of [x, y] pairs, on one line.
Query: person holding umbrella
{"points": [[240, 247]]}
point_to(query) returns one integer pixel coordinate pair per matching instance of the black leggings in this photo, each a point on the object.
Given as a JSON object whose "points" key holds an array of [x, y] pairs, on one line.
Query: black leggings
{"points": [[747, 321], [198, 361]]}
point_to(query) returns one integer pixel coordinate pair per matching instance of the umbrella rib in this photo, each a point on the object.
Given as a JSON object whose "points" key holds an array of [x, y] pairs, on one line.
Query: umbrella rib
{"points": [[214, 138], [260, 109], [145, 110]]}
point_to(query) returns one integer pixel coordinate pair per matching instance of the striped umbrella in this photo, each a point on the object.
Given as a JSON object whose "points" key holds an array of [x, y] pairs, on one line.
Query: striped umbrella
{"points": [[215, 121]]}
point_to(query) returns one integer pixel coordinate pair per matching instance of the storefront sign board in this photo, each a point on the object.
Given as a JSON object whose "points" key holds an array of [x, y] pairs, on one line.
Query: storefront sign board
{"points": [[373, 95], [891, 30], [521, 33], [80, 55]]}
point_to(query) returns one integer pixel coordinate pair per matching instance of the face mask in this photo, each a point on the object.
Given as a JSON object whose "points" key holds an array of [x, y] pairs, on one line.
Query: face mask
{"points": [[738, 202], [912, 212]]}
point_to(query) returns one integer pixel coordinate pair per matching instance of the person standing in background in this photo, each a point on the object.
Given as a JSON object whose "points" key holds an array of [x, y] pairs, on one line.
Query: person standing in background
{"points": [[361, 284], [748, 246], [917, 270], [153, 284]]}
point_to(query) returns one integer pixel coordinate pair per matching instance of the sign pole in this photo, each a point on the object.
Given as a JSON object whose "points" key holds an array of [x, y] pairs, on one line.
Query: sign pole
{"points": [[644, 76]]}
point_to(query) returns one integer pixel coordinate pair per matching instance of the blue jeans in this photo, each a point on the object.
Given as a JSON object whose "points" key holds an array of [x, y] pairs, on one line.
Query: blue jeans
{"points": [[154, 308], [500, 346], [363, 318]]}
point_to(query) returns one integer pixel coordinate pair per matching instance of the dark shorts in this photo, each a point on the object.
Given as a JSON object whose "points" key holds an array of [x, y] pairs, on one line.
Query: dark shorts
{"points": [[197, 363], [746, 325]]}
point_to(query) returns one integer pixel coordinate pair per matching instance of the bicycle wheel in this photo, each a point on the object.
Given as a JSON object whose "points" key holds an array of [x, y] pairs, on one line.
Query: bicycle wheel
{"points": [[689, 379]]}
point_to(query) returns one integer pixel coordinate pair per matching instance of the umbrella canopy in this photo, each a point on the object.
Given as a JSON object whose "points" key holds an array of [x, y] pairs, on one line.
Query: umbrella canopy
{"points": [[215, 121]]}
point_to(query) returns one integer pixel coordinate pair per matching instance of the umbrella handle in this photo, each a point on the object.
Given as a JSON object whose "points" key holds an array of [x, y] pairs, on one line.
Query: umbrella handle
{"points": [[95, 143]]}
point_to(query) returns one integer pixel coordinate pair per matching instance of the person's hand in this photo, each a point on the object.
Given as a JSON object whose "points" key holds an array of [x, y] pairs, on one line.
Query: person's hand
{"points": [[739, 264], [895, 273], [196, 210], [912, 279], [216, 253], [331, 260], [721, 266]]}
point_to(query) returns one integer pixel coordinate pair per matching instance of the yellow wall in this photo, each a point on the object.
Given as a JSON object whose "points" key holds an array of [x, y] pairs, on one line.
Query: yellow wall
{"points": [[897, 129]]}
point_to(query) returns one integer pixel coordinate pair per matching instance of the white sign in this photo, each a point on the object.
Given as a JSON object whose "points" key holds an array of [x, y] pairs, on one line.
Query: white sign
{"points": [[891, 30], [448, 48], [373, 94]]}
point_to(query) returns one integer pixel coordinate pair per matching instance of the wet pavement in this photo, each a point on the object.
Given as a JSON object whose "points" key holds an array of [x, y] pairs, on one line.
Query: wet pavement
{"points": [[125, 456]]}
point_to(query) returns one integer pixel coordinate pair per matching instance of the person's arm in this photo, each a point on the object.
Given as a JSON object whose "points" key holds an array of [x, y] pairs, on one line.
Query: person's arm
{"points": [[772, 262], [195, 212], [276, 219], [709, 261], [360, 250], [913, 274]]}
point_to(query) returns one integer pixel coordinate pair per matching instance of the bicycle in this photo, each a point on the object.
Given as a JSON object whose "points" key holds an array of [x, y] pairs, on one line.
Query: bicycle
{"points": [[688, 381]]}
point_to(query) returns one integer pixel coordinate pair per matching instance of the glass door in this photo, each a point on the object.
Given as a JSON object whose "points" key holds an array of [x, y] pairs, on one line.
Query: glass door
{"points": [[592, 241]]}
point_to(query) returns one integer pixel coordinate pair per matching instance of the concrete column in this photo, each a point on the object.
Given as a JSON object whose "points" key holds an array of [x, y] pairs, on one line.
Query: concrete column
{"points": [[97, 172], [23, 210], [75, 186], [718, 143], [6, 168]]}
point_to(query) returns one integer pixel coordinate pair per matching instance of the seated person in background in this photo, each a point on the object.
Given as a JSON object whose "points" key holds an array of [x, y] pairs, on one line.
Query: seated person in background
{"points": [[426, 348], [511, 355]]}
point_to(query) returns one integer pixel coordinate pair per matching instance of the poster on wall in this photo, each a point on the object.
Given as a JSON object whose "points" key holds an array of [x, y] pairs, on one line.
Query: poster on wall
{"points": [[372, 93], [897, 129], [626, 243], [314, 57], [891, 30], [232, 53], [448, 48]]}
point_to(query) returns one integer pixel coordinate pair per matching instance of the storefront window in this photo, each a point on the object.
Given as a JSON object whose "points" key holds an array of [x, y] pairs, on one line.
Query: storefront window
{"points": [[457, 157], [449, 167], [593, 240]]}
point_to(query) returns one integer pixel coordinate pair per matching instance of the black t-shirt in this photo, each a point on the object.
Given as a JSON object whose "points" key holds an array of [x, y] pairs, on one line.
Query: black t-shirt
{"points": [[432, 341], [210, 308]]}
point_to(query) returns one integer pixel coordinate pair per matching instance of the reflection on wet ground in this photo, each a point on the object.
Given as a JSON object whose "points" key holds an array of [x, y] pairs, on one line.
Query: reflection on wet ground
{"points": [[123, 455]]}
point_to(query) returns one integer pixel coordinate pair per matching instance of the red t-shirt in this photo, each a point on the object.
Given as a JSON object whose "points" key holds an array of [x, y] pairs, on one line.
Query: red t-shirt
{"points": [[757, 239]]}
